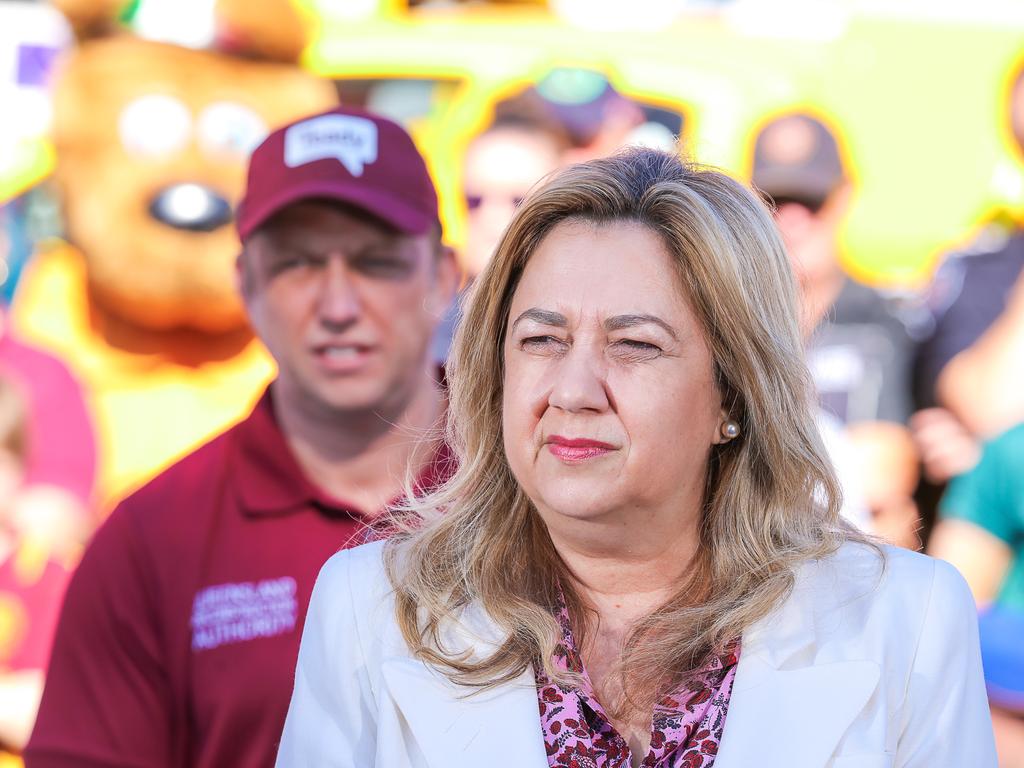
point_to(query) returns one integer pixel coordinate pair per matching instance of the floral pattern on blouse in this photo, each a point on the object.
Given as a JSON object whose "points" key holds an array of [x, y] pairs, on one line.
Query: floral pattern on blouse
{"points": [[686, 726]]}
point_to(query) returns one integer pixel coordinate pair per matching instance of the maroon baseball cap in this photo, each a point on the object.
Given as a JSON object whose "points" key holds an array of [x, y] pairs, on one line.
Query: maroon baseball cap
{"points": [[345, 154]]}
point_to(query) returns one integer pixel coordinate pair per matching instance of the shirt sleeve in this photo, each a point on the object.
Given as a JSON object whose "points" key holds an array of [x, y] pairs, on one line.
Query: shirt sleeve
{"points": [[107, 697], [976, 288], [946, 716], [331, 719], [985, 495]]}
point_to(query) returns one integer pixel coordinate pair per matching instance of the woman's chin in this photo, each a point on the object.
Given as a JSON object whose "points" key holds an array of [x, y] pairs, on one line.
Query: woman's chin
{"points": [[576, 509]]}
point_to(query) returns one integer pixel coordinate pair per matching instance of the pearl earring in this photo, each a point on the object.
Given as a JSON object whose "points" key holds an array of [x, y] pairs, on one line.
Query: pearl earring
{"points": [[730, 430]]}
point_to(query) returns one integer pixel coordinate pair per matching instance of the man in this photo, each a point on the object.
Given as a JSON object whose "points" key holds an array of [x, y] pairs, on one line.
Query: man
{"points": [[975, 303], [501, 165], [858, 350], [178, 639], [969, 359]]}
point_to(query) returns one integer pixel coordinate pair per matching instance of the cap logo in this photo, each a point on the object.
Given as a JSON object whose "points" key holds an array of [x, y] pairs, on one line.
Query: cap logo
{"points": [[351, 140]]}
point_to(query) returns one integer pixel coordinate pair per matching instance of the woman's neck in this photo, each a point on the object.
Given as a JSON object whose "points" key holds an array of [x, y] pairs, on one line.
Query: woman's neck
{"points": [[620, 565], [622, 583]]}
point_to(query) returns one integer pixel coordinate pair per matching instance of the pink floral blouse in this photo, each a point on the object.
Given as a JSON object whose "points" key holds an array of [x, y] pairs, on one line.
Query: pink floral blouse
{"points": [[686, 726]]}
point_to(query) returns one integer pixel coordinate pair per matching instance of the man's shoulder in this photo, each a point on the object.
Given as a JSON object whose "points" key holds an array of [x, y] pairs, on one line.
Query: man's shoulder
{"points": [[860, 304], [176, 502], [191, 472], [993, 259]]}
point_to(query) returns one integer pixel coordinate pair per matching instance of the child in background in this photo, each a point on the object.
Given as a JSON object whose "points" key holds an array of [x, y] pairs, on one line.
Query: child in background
{"points": [[40, 539]]}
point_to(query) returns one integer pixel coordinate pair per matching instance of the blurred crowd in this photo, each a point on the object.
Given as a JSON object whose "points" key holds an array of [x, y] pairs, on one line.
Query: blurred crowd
{"points": [[115, 361]]}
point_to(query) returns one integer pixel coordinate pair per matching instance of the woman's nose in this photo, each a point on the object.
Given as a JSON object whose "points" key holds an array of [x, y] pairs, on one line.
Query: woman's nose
{"points": [[579, 382]]}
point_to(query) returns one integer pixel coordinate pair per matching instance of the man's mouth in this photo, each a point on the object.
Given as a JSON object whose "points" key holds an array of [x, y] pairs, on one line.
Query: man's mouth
{"points": [[342, 358]]}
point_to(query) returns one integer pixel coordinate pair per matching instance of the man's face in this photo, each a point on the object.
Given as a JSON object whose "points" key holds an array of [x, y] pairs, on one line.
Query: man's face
{"points": [[346, 305], [501, 166], [811, 235]]}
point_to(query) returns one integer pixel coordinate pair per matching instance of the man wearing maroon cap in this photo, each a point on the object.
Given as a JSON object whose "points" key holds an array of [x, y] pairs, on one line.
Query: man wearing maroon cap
{"points": [[180, 631]]}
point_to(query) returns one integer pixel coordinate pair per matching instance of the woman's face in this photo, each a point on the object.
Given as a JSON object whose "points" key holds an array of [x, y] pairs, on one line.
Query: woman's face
{"points": [[610, 405]]}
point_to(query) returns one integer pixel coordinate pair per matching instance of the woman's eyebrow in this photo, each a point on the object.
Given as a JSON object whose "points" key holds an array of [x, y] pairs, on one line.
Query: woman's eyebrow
{"points": [[542, 316], [618, 322]]}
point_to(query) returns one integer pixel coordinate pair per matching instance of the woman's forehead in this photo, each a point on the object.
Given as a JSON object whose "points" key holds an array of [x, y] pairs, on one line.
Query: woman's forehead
{"points": [[601, 269]]}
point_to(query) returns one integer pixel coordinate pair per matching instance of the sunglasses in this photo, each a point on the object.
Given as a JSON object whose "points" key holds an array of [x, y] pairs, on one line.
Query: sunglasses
{"points": [[812, 203], [473, 202]]}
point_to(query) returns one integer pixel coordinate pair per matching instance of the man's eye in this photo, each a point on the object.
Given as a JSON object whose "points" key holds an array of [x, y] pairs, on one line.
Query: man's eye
{"points": [[384, 266], [289, 261]]}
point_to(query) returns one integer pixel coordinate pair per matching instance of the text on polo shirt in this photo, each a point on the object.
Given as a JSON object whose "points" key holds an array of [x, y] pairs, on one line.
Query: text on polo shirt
{"points": [[235, 613]]}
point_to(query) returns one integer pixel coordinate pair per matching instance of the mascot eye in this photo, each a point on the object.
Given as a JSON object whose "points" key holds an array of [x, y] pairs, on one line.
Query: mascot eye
{"points": [[155, 125], [230, 129]]}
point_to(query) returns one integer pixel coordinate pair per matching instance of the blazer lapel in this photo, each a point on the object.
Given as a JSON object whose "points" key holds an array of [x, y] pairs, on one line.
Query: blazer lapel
{"points": [[792, 718], [498, 728], [789, 707]]}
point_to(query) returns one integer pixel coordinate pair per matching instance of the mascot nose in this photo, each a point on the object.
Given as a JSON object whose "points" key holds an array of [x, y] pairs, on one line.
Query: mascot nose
{"points": [[192, 207]]}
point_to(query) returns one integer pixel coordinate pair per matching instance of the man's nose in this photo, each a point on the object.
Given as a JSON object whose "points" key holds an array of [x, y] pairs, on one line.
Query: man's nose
{"points": [[579, 381], [339, 302]]}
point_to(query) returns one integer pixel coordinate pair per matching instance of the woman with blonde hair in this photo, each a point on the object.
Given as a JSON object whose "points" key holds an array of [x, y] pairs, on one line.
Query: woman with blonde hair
{"points": [[639, 560]]}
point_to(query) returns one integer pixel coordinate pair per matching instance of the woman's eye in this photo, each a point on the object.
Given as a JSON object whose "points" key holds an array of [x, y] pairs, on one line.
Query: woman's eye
{"points": [[541, 342], [635, 348]]}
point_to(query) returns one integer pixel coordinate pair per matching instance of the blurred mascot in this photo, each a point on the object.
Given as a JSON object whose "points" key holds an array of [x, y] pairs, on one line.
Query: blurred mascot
{"points": [[152, 141]]}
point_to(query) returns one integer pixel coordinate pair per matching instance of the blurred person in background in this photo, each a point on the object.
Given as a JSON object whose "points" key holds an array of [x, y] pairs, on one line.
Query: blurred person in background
{"points": [[969, 363], [500, 166], [597, 119], [981, 532], [859, 351], [517, 149], [42, 529], [179, 635], [61, 443], [969, 372], [981, 384]]}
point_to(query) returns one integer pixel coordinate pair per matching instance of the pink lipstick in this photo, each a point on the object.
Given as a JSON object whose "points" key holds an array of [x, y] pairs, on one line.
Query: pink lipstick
{"points": [[578, 449]]}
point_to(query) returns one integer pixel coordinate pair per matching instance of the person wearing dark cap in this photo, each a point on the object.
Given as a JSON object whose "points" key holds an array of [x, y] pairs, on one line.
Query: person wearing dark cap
{"points": [[180, 631], [859, 351]]}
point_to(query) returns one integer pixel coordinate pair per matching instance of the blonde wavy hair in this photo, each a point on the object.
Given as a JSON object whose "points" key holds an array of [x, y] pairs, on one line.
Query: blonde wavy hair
{"points": [[771, 499]]}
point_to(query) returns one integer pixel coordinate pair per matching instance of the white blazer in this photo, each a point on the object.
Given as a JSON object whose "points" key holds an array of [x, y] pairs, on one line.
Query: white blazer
{"points": [[856, 669]]}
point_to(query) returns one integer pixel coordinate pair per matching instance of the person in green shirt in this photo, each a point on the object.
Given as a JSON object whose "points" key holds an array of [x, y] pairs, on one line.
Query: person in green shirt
{"points": [[981, 532]]}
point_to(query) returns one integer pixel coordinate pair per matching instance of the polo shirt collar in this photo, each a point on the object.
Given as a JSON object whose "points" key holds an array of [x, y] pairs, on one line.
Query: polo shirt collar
{"points": [[269, 481]]}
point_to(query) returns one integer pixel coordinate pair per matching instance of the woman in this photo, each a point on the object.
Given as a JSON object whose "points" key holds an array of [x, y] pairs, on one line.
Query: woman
{"points": [[642, 540]]}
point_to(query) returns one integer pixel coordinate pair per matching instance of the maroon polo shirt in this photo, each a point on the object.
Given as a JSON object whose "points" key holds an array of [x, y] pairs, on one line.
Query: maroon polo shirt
{"points": [[179, 634]]}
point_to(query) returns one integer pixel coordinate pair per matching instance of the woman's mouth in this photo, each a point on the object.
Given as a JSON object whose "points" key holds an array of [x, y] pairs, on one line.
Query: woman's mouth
{"points": [[577, 449]]}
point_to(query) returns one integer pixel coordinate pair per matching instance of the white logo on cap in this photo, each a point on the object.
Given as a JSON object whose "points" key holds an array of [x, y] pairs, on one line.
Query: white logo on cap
{"points": [[350, 139]]}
